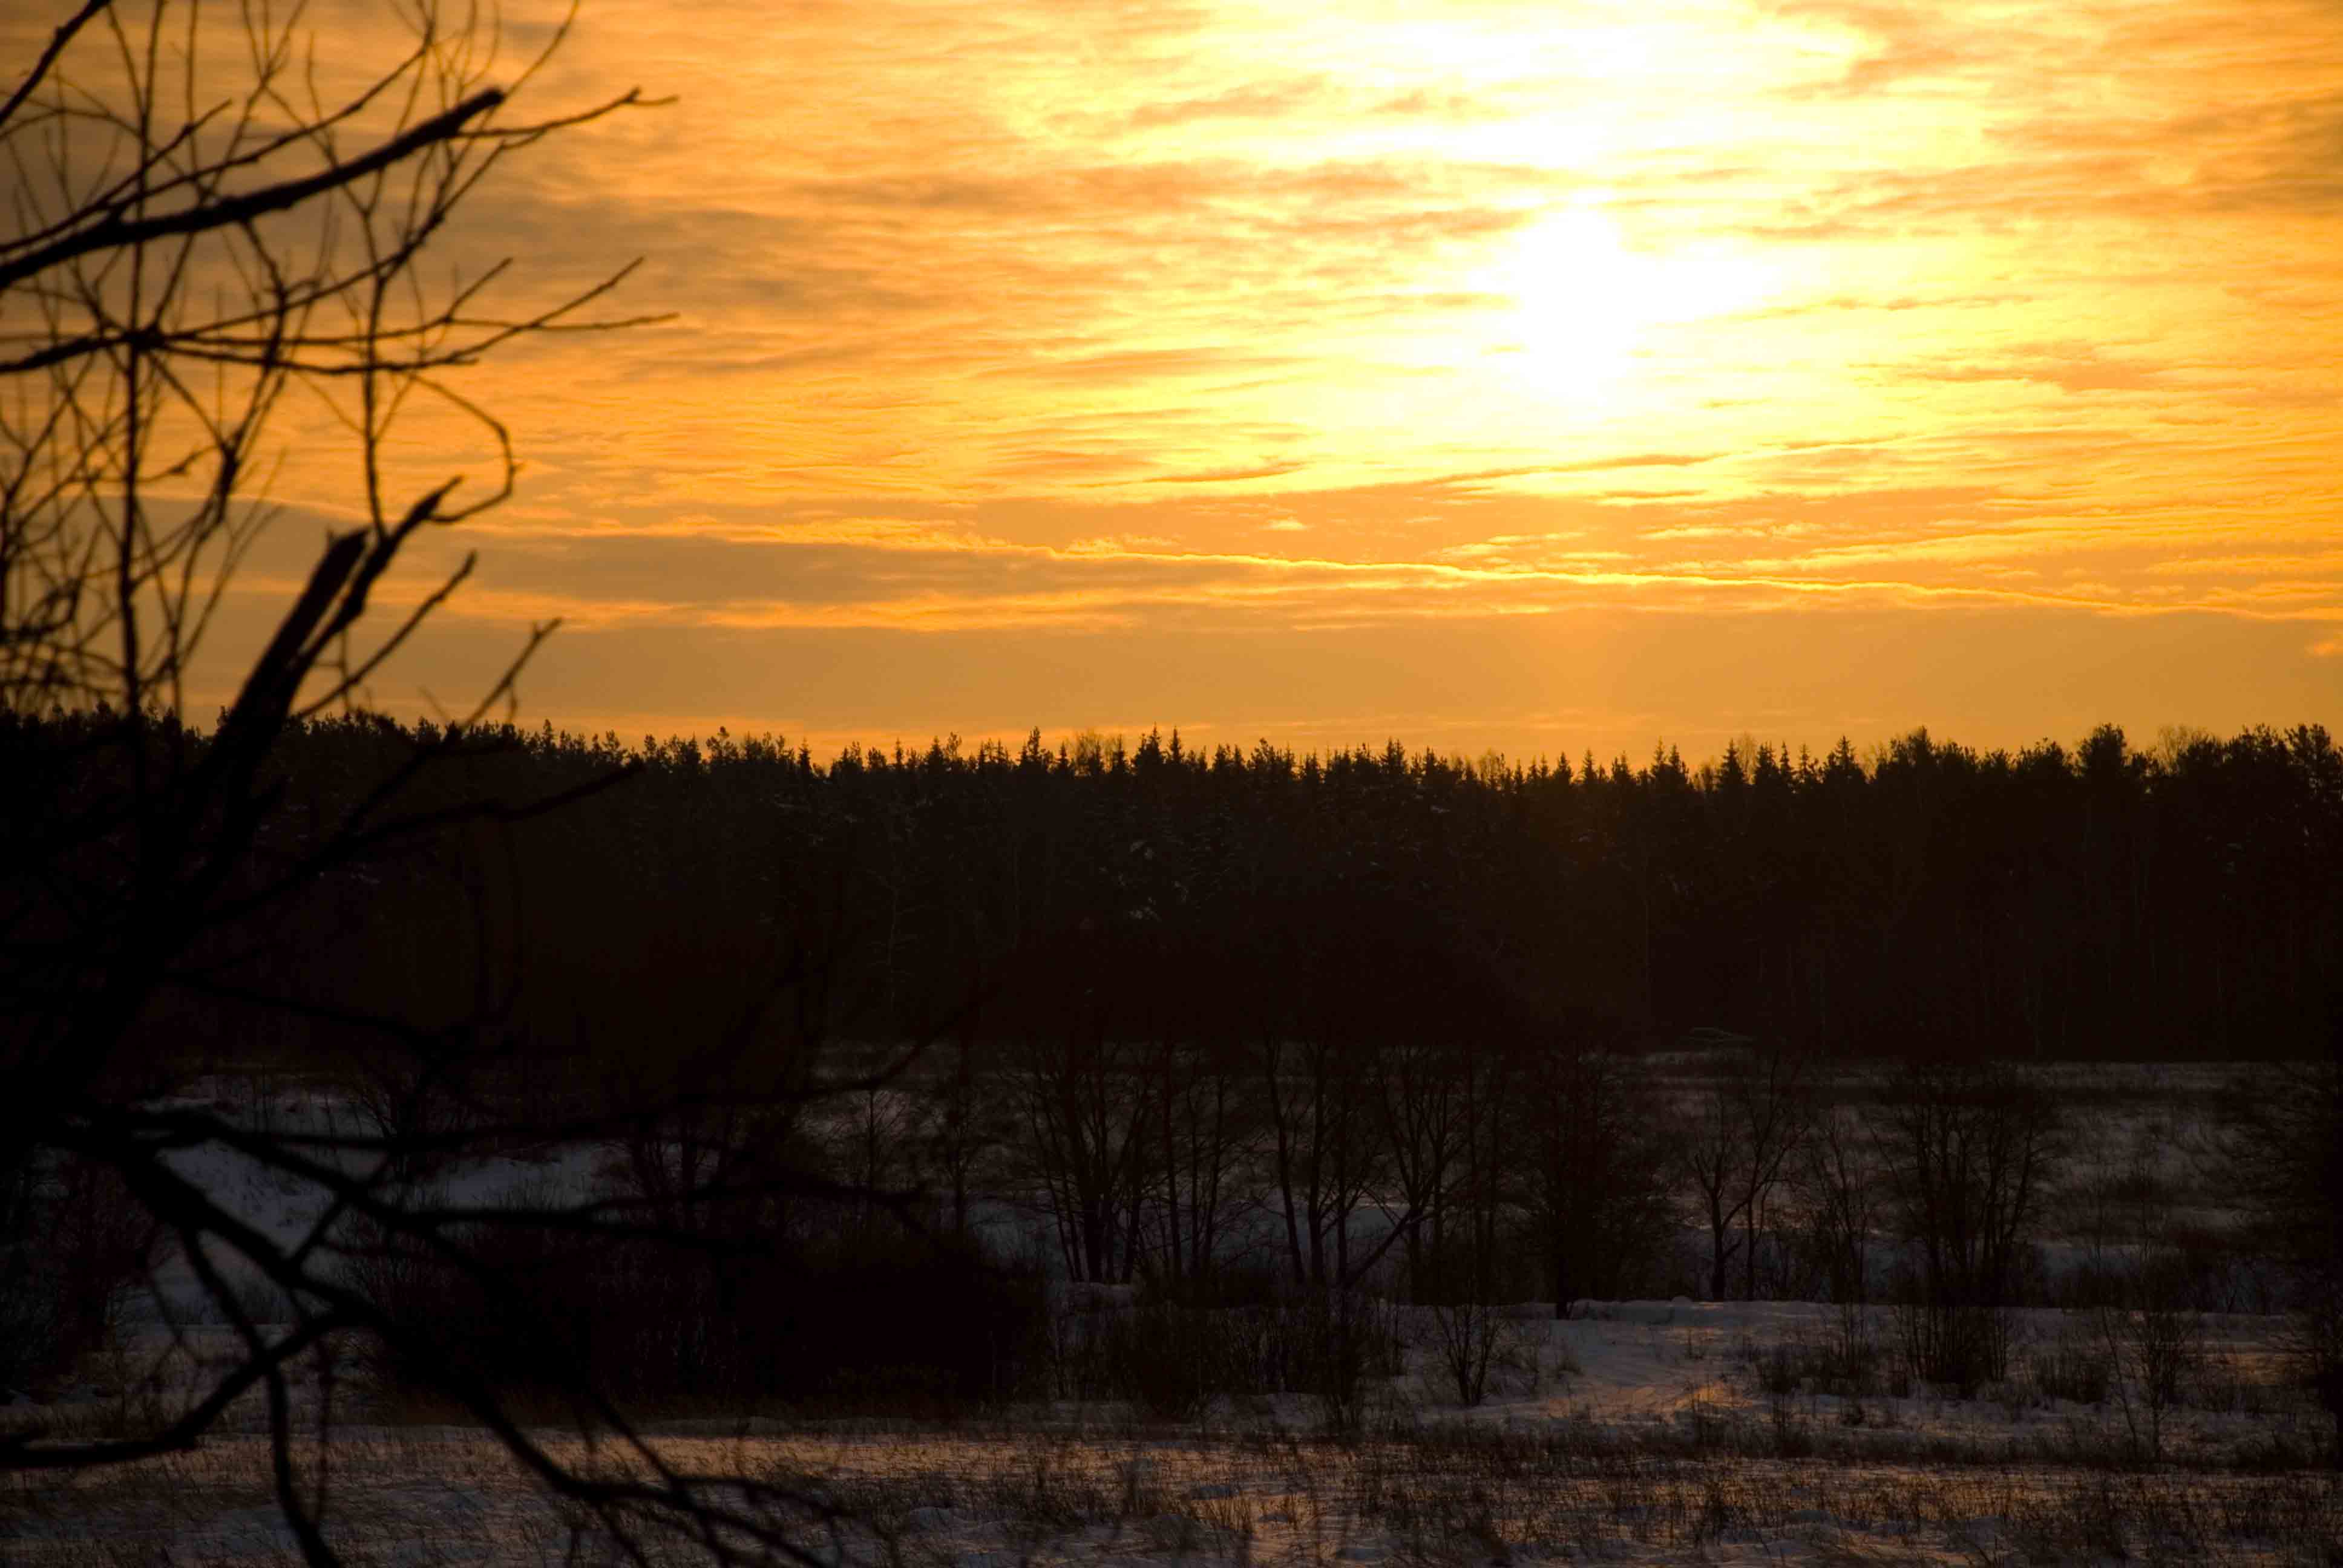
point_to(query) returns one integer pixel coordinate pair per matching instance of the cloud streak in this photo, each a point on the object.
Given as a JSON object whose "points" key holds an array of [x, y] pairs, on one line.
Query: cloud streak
{"points": [[1064, 317]]}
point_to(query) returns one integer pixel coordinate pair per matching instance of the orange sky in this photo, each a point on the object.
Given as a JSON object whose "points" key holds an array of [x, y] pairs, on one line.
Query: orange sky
{"points": [[1542, 375]]}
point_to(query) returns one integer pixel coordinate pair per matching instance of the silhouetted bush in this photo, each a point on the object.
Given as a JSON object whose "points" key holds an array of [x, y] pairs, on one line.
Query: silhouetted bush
{"points": [[73, 1242], [879, 1319], [1169, 1359], [2071, 1367], [1968, 1150]]}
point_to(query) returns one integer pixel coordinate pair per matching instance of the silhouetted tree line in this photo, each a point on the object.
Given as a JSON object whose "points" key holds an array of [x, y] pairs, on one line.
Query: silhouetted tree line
{"points": [[2098, 902], [1233, 1022], [1371, 1001]]}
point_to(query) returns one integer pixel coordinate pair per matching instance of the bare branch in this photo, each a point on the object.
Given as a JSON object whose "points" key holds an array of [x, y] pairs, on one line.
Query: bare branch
{"points": [[48, 57], [112, 233]]}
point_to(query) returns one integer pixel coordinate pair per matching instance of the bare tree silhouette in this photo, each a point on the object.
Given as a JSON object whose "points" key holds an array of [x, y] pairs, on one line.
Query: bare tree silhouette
{"points": [[204, 222]]}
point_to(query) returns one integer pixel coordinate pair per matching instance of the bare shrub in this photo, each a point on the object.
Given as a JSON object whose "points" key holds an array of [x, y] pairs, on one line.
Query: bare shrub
{"points": [[1835, 1182], [2075, 1366], [1169, 1358], [77, 1243], [2284, 1157], [1737, 1147], [1481, 1348], [1968, 1150], [1831, 1365], [2152, 1338]]}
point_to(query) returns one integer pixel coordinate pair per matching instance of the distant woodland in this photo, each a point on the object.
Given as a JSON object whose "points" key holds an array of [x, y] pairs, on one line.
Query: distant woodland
{"points": [[2102, 902], [1202, 1018]]}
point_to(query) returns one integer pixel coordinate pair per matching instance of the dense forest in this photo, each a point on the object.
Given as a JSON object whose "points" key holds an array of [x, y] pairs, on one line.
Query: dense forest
{"points": [[1351, 1019], [2102, 902]]}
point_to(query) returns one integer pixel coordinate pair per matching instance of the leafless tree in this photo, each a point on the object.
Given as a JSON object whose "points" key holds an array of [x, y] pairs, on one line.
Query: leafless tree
{"points": [[1837, 1185], [207, 221], [1083, 1101], [1594, 1181], [1420, 1089], [2153, 1336], [1443, 1111], [2283, 1156], [1737, 1146], [1206, 1137], [1968, 1150], [1325, 1156], [961, 1127]]}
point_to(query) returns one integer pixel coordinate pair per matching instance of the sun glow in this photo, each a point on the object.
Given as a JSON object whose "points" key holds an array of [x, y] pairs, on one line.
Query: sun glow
{"points": [[1588, 303], [1341, 325]]}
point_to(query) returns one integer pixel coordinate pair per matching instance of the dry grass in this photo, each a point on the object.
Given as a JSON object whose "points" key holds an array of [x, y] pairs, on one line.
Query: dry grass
{"points": [[1442, 1498]]}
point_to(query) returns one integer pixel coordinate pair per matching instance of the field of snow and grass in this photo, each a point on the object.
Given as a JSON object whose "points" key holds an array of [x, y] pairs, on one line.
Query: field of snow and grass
{"points": [[1639, 1431]]}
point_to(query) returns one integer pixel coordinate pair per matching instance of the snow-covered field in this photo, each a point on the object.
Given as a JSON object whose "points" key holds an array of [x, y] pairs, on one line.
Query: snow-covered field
{"points": [[434, 1496], [1634, 1432]]}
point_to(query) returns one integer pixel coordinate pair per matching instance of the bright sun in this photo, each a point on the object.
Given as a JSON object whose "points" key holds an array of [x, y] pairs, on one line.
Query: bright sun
{"points": [[1585, 302]]}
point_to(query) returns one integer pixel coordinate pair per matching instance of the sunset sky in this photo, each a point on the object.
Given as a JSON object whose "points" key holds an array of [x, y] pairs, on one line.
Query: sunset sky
{"points": [[1546, 376]]}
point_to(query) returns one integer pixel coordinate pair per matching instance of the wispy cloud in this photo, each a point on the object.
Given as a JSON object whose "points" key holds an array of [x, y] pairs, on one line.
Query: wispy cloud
{"points": [[1246, 319]]}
